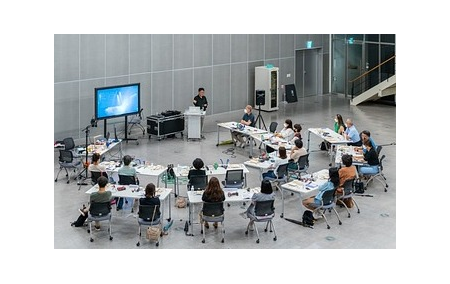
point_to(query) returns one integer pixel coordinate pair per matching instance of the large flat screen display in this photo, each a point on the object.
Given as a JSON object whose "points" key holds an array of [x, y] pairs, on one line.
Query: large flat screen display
{"points": [[115, 101]]}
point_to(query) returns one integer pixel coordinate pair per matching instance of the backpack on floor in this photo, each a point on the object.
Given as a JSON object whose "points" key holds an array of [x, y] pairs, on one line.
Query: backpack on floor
{"points": [[308, 218]]}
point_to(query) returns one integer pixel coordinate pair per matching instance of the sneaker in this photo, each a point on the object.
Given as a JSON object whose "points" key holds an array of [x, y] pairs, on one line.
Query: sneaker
{"points": [[243, 214], [215, 225], [251, 226], [206, 225], [241, 144], [317, 215], [97, 228]]}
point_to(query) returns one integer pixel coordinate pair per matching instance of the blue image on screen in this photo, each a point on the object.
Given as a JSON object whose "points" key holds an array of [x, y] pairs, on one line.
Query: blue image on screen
{"points": [[117, 101]]}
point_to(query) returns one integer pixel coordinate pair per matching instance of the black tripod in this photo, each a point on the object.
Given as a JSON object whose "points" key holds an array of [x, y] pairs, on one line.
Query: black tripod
{"points": [[85, 165], [260, 118]]}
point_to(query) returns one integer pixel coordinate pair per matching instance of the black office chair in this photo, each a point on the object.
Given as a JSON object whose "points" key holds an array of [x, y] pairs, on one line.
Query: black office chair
{"points": [[99, 211], [328, 203], [69, 144], [212, 212], [302, 167], [68, 161], [347, 193], [264, 212], [197, 182], [149, 215], [280, 175], [273, 126], [379, 148], [95, 175], [234, 179], [378, 176]]}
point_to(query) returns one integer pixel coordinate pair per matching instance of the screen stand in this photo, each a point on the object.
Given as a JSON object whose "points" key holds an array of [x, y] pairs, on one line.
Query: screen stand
{"points": [[126, 132]]}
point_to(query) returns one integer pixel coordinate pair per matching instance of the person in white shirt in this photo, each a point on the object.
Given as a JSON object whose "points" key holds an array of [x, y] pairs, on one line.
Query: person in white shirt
{"points": [[287, 132]]}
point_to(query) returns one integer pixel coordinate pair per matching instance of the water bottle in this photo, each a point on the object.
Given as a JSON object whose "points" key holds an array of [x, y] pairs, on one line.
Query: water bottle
{"points": [[192, 188]]}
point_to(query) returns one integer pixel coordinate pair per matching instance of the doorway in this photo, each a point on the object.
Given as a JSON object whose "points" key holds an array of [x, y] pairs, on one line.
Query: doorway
{"points": [[308, 72]]}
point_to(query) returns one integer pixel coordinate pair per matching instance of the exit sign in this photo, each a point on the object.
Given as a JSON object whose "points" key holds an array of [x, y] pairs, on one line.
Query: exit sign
{"points": [[309, 44]]}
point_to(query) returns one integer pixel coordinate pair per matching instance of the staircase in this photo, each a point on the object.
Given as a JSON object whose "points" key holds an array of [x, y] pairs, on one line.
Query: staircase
{"points": [[383, 74], [385, 88]]}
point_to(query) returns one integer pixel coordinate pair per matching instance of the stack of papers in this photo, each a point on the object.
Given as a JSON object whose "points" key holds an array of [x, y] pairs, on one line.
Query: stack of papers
{"points": [[311, 185]]}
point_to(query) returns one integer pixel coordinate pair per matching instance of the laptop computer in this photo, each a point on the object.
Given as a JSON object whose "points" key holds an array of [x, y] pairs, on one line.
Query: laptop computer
{"points": [[194, 109]]}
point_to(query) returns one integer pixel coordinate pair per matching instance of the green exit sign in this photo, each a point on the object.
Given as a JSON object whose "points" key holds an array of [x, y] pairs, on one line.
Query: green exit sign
{"points": [[309, 44]]}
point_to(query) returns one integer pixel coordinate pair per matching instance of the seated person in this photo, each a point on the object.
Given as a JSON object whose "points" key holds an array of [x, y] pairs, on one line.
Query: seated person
{"points": [[126, 170], [365, 135], [265, 194], [339, 126], [213, 193], [371, 157], [351, 133], [102, 195], [332, 183], [249, 120], [297, 151], [95, 166], [287, 132], [347, 172], [297, 133], [151, 199], [197, 170], [280, 160]]}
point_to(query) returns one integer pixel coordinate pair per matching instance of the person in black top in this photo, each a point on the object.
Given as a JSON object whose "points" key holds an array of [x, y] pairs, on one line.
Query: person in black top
{"points": [[213, 193], [371, 157], [197, 171], [201, 101], [151, 199]]}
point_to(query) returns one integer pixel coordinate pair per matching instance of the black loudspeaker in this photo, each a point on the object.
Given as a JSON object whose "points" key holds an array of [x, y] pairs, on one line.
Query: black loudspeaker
{"points": [[260, 97], [291, 93]]}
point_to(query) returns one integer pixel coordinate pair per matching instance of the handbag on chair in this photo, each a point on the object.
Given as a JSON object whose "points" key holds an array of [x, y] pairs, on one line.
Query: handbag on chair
{"points": [[153, 232]]}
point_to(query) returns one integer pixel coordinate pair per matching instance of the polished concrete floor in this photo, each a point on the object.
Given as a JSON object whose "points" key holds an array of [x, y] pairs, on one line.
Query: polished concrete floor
{"points": [[373, 228]]}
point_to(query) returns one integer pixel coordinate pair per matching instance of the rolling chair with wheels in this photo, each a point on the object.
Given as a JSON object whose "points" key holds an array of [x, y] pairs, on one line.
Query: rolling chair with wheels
{"points": [[348, 191], [136, 121], [212, 212], [302, 167], [68, 161], [99, 211], [234, 179], [264, 212], [328, 202], [280, 175], [378, 176], [149, 215]]}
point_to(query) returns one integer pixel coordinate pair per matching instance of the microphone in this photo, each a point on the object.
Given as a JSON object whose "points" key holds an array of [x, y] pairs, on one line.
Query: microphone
{"points": [[93, 122]]}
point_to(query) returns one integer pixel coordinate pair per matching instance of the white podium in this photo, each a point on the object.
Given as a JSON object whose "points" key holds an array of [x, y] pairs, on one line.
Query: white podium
{"points": [[194, 116]]}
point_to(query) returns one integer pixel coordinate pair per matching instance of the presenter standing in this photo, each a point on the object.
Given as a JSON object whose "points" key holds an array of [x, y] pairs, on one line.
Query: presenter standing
{"points": [[201, 101]]}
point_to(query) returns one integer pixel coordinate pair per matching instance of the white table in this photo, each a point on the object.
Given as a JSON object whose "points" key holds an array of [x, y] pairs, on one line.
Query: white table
{"points": [[220, 172], [102, 149], [268, 139], [130, 191], [329, 136], [146, 170], [195, 197], [194, 123], [302, 189], [247, 131], [358, 157]]}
